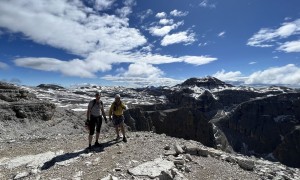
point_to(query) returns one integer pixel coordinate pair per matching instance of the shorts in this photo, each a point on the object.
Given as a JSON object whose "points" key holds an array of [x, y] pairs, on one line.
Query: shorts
{"points": [[117, 120], [95, 121]]}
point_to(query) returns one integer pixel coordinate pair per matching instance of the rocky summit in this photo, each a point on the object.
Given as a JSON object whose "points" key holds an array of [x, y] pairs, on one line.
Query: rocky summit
{"points": [[201, 129]]}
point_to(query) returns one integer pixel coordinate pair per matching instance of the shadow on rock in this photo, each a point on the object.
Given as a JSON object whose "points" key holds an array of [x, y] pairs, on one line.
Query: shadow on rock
{"points": [[74, 155]]}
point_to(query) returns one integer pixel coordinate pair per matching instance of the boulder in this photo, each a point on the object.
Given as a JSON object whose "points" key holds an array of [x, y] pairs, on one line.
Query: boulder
{"points": [[152, 169]]}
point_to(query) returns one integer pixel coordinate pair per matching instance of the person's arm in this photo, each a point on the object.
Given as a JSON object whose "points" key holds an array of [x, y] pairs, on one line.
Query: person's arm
{"points": [[88, 113], [103, 113], [123, 105], [110, 112]]}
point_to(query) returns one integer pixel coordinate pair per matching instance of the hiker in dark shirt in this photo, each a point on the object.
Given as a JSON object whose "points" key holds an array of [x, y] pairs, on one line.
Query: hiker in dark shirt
{"points": [[94, 118]]}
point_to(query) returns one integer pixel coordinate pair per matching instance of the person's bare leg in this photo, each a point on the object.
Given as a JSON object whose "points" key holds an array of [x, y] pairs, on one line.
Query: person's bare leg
{"points": [[90, 139], [117, 130], [122, 129], [97, 136], [123, 132]]}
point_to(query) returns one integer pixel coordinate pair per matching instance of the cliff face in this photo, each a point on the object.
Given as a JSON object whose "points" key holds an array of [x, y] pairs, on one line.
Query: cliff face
{"points": [[246, 120], [265, 126], [185, 123]]}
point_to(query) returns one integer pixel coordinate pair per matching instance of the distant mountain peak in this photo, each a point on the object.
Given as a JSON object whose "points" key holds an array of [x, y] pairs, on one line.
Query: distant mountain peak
{"points": [[208, 82]]}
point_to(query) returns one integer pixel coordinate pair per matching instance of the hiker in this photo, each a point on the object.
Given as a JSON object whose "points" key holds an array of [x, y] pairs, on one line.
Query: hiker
{"points": [[94, 118], [116, 110]]}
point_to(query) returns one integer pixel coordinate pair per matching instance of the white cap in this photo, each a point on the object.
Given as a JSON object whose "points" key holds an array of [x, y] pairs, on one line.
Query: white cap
{"points": [[117, 96]]}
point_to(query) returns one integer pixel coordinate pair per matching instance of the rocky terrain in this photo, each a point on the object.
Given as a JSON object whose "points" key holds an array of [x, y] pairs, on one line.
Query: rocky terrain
{"points": [[200, 129], [146, 155]]}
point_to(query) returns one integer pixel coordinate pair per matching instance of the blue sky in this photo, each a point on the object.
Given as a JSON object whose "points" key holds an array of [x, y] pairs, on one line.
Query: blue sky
{"points": [[149, 42]]}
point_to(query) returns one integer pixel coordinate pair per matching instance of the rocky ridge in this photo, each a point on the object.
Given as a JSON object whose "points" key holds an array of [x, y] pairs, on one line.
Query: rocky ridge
{"points": [[46, 145]]}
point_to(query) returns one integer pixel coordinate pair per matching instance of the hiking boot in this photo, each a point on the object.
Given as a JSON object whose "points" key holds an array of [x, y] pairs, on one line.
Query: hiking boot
{"points": [[98, 144], [117, 138], [89, 149], [124, 139]]}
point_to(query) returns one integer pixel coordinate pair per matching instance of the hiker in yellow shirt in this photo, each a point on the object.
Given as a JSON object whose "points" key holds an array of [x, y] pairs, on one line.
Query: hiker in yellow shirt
{"points": [[116, 110]]}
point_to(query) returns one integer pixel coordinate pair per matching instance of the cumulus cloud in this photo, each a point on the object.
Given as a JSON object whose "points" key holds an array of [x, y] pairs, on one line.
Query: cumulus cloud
{"points": [[181, 37], [267, 37], [289, 74], [142, 74], [229, 76], [68, 26], [291, 46], [253, 62], [100, 40], [177, 13], [166, 21], [161, 15], [3, 66], [103, 4], [162, 31]]}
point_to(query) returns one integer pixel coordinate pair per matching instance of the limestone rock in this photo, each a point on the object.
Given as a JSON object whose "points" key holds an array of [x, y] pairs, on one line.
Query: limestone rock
{"points": [[152, 169]]}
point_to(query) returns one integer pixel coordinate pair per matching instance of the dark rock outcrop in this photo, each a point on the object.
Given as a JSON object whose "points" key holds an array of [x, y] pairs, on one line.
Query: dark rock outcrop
{"points": [[207, 82], [288, 151], [260, 125], [17, 103], [50, 86], [183, 122]]}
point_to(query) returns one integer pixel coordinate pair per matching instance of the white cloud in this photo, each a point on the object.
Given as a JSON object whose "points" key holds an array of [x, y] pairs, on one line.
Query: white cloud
{"points": [[162, 31], [143, 70], [253, 62], [166, 21], [88, 67], [181, 37], [63, 24], [100, 40], [289, 74], [142, 74], [161, 15], [124, 11], [74, 67], [127, 9], [138, 81], [229, 76], [275, 57], [103, 4], [206, 4], [177, 13], [291, 46], [3, 66], [222, 34], [267, 37], [198, 60]]}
